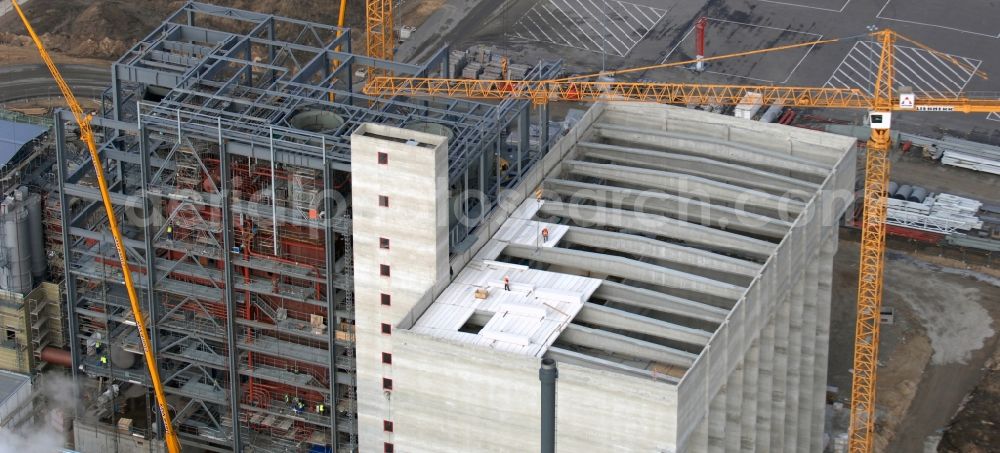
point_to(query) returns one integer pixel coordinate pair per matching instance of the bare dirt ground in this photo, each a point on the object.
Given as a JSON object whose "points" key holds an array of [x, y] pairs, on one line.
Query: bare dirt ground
{"points": [[933, 354], [414, 13], [15, 54], [106, 28], [976, 427], [31, 106]]}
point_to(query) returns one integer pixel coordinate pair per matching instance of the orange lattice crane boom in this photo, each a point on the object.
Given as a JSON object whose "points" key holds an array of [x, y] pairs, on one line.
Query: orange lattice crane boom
{"points": [[87, 135], [880, 103], [584, 89], [544, 91]]}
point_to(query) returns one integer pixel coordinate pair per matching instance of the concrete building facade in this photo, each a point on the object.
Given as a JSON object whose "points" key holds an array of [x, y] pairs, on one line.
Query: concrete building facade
{"points": [[400, 199], [677, 267]]}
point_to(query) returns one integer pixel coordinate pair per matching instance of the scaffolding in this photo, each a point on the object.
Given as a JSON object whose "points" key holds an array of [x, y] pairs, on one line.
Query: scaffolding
{"points": [[226, 134], [30, 323]]}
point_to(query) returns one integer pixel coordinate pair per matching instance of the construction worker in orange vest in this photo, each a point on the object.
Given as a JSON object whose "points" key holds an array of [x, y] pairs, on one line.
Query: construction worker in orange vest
{"points": [[545, 234], [506, 283]]}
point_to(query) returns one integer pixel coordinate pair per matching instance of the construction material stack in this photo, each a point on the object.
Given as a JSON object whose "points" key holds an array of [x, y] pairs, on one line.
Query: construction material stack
{"points": [[749, 105], [971, 155], [911, 207]]}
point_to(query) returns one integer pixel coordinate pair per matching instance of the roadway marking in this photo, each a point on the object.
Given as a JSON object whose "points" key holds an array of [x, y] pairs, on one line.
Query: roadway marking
{"points": [[808, 50], [842, 7], [880, 16], [993, 116], [929, 75], [611, 26]]}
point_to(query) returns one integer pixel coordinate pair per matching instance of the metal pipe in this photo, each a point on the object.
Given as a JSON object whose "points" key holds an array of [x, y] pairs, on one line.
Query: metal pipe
{"points": [[58, 128], [330, 256], [548, 375], [700, 42], [232, 338], [57, 356], [274, 194]]}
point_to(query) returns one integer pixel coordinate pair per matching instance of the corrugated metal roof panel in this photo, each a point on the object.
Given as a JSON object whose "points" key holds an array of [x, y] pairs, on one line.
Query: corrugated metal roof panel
{"points": [[13, 137]]}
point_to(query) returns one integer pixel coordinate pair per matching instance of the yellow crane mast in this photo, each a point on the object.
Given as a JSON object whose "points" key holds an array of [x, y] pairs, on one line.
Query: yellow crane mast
{"points": [[380, 37], [880, 104], [87, 135]]}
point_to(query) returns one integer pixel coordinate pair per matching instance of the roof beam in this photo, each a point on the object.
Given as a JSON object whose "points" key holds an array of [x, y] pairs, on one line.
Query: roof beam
{"points": [[659, 225], [736, 174], [678, 207], [687, 184], [626, 268], [651, 300], [628, 346], [567, 356], [714, 148], [614, 318], [660, 250]]}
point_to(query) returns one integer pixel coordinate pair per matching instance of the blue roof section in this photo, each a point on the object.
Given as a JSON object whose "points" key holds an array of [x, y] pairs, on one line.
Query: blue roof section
{"points": [[13, 136]]}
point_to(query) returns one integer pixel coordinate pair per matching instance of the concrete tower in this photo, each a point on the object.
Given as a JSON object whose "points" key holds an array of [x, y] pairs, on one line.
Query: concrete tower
{"points": [[400, 205]]}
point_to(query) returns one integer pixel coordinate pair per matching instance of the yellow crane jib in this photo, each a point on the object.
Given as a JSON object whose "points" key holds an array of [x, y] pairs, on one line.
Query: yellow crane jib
{"points": [[87, 135]]}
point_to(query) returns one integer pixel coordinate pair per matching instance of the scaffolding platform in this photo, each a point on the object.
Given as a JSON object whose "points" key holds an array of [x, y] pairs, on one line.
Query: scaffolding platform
{"points": [[199, 327], [300, 380], [278, 348], [280, 409], [202, 391]]}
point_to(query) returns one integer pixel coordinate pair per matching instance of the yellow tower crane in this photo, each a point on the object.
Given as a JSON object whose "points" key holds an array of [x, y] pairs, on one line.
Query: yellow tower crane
{"points": [[880, 104], [87, 135]]}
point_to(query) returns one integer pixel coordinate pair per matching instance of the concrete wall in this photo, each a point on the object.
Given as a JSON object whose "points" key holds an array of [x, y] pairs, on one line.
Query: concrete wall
{"points": [[821, 147], [89, 438], [759, 385], [598, 410], [455, 397], [416, 224]]}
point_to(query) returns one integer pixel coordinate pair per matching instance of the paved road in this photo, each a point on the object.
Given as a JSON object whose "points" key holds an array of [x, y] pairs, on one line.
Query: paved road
{"points": [[6, 7], [34, 81], [430, 35]]}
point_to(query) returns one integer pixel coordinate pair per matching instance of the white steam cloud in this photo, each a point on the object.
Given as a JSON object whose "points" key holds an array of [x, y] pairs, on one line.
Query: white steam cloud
{"points": [[46, 434]]}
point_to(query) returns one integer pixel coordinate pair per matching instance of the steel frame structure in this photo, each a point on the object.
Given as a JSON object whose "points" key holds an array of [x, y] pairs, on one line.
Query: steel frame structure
{"points": [[238, 223]]}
